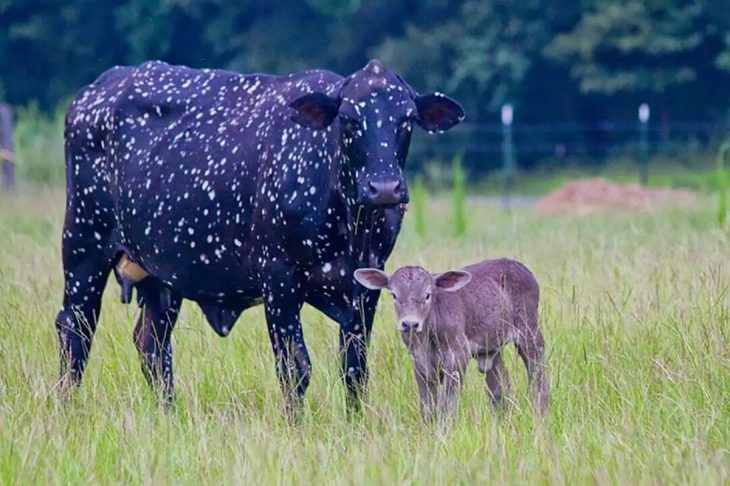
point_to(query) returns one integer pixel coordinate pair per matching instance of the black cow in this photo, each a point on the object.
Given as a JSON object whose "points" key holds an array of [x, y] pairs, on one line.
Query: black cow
{"points": [[231, 190]]}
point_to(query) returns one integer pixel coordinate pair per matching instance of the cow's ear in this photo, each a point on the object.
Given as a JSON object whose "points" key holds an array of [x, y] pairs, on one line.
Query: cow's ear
{"points": [[314, 110], [438, 112], [452, 280], [372, 278]]}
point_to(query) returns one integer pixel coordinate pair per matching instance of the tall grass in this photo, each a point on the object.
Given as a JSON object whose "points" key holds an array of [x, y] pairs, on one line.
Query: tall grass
{"points": [[459, 196], [418, 203], [722, 184], [634, 309]]}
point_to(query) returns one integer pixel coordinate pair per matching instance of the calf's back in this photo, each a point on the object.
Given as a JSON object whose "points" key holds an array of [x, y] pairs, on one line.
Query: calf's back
{"points": [[499, 303]]}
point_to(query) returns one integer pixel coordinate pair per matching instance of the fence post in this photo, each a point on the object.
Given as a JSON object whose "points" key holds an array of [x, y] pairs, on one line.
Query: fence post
{"points": [[508, 155], [7, 151], [644, 115]]}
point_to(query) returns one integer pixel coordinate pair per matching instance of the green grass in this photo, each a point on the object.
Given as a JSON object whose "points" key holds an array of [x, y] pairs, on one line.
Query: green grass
{"points": [[723, 181], [635, 309], [458, 196], [690, 171]]}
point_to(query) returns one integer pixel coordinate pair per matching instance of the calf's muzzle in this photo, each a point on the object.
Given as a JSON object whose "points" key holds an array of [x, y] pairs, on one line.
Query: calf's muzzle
{"points": [[410, 326]]}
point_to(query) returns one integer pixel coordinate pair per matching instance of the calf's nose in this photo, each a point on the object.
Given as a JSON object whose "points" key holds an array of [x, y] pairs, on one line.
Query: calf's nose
{"points": [[407, 326], [386, 191]]}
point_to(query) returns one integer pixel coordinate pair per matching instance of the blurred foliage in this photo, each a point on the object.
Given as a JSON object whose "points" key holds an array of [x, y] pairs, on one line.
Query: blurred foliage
{"points": [[633, 46], [39, 145], [555, 62]]}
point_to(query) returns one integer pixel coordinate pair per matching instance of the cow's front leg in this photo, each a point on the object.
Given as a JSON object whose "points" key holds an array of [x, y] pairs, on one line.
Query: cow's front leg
{"points": [[283, 299], [354, 339], [152, 336]]}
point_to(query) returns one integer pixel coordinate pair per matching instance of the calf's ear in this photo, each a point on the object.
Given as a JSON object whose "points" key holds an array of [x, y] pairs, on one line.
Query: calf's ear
{"points": [[452, 280], [314, 110], [437, 112], [372, 278]]}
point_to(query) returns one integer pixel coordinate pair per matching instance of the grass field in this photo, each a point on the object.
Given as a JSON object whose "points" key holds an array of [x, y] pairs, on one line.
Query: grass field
{"points": [[635, 309]]}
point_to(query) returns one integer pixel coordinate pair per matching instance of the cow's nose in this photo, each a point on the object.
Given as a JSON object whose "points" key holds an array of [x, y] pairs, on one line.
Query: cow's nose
{"points": [[386, 191], [408, 326]]}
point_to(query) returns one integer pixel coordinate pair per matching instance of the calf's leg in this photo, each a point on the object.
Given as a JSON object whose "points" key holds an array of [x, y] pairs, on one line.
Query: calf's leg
{"points": [[152, 336], [496, 378], [427, 381], [531, 349], [453, 366]]}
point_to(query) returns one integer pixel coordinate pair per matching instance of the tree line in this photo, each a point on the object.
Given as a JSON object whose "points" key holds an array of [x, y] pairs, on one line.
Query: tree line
{"points": [[554, 61]]}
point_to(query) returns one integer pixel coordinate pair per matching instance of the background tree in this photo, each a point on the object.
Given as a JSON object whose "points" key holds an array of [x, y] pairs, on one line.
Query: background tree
{"points": [[558, 63]]}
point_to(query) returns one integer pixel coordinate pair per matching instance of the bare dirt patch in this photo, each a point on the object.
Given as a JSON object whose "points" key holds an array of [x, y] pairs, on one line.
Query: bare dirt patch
{"points": [[596, 195]]}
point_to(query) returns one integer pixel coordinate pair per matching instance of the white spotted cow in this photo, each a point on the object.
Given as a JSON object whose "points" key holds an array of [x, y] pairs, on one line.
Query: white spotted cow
{"points": [[232, 190]]}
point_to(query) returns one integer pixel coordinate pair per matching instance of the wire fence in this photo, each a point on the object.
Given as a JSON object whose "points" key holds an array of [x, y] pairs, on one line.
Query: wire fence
{"points": [[484, 148], [482, 144]]}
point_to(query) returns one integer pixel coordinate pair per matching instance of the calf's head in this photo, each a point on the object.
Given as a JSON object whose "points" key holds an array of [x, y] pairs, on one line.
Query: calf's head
{"points": [[413, 289], [373, 113]]}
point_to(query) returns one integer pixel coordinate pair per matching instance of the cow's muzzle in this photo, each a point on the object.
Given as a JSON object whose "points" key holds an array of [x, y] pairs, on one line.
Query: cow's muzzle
{"points": [[385, 192]]}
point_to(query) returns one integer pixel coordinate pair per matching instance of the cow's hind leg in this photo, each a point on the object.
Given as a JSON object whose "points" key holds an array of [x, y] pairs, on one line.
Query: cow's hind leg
{"points": [[87, 261], [152, 336]]}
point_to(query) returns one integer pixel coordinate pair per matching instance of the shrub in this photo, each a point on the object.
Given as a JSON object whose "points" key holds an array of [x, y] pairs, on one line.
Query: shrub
{"points": [[39, 146]]}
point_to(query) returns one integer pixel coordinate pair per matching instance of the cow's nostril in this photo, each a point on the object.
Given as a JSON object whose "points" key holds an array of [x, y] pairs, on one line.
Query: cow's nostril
{"points": [[372, 187], [398, 187], [385, 191]]}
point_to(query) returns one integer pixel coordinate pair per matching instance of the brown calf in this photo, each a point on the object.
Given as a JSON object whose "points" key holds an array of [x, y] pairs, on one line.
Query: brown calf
{"points": [[446, 319]]}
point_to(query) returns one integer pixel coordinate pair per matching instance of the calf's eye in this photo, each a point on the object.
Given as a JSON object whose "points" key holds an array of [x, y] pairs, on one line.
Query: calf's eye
{"points": [[428, 297]]}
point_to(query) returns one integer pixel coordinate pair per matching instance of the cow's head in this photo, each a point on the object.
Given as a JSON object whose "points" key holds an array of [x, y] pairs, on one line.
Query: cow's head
{"points": [[373, 112]]}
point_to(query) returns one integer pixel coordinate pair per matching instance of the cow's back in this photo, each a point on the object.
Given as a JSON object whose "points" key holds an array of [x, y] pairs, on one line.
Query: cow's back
{"points": [[179, 156], [88, 120]]}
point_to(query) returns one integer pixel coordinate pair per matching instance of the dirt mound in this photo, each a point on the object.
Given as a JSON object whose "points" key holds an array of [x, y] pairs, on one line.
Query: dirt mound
{"points": [[589, 196]]}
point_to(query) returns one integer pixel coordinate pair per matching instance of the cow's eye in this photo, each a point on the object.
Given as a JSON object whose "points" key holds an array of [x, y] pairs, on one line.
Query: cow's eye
{"points": [[350, 125]]}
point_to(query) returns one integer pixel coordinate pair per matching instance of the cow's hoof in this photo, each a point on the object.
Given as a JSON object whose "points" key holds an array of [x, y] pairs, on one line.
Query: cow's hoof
{"points": [[126, 294], [165, 298]]}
